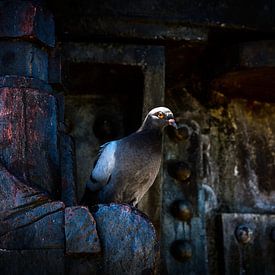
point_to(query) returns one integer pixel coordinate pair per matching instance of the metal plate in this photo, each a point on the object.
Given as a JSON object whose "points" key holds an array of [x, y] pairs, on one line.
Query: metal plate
{"points": [[256, 256]]}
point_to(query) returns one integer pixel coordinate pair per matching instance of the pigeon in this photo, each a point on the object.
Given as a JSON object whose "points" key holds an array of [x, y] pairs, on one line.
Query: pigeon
{"points": [[126, 168]]}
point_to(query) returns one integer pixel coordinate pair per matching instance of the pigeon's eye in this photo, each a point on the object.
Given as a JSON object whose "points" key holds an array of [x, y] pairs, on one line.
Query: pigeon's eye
{"points": [[160, 115]]}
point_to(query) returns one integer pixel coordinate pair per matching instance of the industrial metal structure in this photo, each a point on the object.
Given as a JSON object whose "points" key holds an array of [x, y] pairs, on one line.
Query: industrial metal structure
{"points": [[75, 74]]}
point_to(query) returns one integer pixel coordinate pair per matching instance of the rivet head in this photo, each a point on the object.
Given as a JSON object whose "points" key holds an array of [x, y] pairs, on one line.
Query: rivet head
{"points": [[180, 134], [272, 234], [181, 250], [243, 234], [182, 210], [179, 170]]}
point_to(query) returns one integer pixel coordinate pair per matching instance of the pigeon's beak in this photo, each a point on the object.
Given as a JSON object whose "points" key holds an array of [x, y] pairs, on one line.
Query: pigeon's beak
{"points": [[173, 123]]}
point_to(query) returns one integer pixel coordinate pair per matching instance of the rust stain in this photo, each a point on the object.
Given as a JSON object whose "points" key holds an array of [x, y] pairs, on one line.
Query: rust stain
{"points": [[9, 132], [4, 113], [28, 23]]}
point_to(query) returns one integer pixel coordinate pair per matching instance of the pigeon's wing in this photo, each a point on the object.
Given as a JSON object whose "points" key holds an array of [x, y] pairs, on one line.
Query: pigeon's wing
{"points": [[103, 167]]}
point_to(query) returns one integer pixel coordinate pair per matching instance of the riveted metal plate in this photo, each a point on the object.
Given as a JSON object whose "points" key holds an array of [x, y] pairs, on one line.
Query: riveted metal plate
{"points": [[254, 257]]}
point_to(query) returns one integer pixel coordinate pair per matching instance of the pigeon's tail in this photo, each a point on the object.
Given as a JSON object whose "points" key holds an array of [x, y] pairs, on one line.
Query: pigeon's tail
{"points": [[89, 198]]}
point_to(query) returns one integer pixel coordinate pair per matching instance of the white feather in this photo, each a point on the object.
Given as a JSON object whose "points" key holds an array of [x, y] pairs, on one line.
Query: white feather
{"points": [[104, 166]]}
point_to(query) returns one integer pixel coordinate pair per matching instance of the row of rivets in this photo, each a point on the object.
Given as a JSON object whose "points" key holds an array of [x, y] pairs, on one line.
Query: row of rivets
{"points": [[182, 210]]}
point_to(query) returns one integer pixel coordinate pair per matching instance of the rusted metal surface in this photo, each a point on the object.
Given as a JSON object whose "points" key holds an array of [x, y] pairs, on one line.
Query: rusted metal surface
{"points": [[183, 216], [44, 230], [83, 265], [23, 59], [15, 81], [29, 129], [129, 241], [55, 68], [16, 194], [150, 59], [159, 20], [255, 84], [250, 72], [29, 219], [31, 262], [246, 167], [80, 231], [27, 19], [227, 144], [256, 254], [256, 54], [32, 235], [68, 169], [145, 30], [237, 166]]}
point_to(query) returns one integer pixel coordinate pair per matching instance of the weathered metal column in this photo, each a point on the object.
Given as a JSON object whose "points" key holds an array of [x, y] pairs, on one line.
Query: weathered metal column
{"points": [[38, 235], [30, 222], [184, 240]]}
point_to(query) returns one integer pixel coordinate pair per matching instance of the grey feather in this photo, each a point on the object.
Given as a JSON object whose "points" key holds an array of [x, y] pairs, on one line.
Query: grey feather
{"points": [[125, 169]]}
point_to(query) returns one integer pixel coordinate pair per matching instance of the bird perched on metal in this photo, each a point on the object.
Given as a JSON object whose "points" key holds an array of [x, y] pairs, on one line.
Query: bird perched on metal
{"points": [[126, 168]]}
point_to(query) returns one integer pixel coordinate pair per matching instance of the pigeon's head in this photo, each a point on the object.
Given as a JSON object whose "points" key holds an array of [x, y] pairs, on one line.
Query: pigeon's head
{"points": [[158, 118]]}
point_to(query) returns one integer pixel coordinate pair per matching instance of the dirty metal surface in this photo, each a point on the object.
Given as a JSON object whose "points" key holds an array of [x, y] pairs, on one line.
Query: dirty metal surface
{"points": [[29, 129], [24, 59], [80, 231], [250, 72], [29, 219], [15, 81], [128, 240], [55, 68], [255, 54], [150, 59], [158, 20], [16, 193], [68, 169], [255, 84], [248, 160], [32, 262], [255, 255], [238, 151], [44, 230], [183, 228], [237, 165], [27, 19]]}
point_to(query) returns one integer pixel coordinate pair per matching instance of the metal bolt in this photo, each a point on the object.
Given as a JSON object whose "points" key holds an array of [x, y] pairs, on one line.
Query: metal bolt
{"points": [[179, 170], [180, 134], [181, 250], [182, 210], [243, 234]]}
